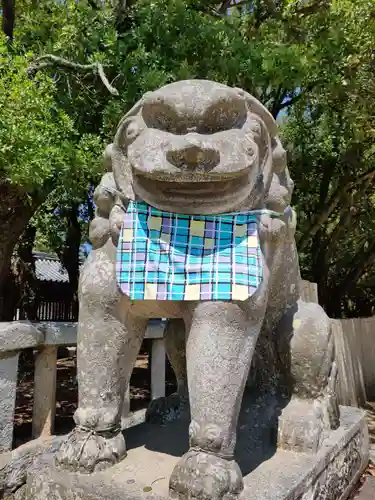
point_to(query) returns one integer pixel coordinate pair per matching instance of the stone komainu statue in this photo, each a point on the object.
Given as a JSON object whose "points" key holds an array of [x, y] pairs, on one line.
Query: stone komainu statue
{"points": [[200, 148]]}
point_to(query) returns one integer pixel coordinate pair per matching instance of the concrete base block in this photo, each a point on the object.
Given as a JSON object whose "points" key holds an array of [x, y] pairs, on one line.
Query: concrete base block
{"points": [[268, 474]]}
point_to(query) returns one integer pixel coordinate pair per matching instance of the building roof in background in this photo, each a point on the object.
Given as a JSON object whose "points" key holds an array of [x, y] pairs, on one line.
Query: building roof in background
{"points": [[49, 268]]}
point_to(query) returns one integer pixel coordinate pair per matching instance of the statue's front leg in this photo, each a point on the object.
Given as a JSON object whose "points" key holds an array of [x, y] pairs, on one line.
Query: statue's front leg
{"points": [[220, 346], [109, 340]]}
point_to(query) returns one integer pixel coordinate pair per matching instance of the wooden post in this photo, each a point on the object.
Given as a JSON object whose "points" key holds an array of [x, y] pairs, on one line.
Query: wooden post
{"points": [[8, 387], [158, 369], [365, 338], [45, 392], [351, 390], [309, 291]]}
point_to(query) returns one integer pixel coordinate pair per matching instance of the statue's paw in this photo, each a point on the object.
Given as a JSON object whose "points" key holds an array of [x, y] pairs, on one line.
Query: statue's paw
{"points": [[204, 476], [85, 451], [301, 426], [164, 410]]}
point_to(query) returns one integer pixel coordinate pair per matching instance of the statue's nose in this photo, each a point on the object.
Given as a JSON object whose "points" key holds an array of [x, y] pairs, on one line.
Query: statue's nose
{"points": [[194, 155]]}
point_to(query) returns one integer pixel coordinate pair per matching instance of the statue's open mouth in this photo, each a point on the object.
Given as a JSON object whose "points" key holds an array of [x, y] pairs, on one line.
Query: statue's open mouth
{"points": [[193, 197]]}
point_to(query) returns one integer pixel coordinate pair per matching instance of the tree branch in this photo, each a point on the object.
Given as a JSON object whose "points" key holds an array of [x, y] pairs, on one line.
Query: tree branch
{"points": [[52, 60], [277, 99], [296, 97], [226, 4], [238, 4], [313, 7], [332, 204], [105, 81], [347, 218], [93, 5], [359, 265]]}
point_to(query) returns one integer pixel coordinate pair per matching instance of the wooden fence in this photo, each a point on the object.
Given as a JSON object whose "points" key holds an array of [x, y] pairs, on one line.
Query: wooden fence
{"points": [[51, 311], [355, 354]]}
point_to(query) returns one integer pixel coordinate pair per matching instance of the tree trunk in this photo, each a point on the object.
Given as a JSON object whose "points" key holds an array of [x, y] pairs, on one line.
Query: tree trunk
{"points": [[69, 255], [23, 269], [15, 213], [8, 15]]}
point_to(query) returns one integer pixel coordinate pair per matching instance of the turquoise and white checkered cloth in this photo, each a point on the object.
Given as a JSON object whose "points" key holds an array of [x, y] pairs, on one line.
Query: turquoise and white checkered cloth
{"points": [[169, 256]]}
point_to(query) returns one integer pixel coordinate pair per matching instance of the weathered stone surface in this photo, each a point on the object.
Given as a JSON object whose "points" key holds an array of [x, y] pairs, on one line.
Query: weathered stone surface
{"points": [[14, 464], [199, 147], [8, 386], [16, 335], [269, 474], [20, 494]]}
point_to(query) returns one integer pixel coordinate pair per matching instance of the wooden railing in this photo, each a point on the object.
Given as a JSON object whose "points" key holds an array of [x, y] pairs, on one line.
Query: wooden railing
{"points": [[46, 338]]}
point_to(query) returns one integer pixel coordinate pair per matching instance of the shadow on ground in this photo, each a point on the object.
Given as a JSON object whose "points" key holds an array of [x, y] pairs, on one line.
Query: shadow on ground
{"points": [[257, 433]]}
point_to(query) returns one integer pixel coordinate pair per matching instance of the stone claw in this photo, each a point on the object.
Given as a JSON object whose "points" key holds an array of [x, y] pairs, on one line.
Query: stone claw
{"points": [[87, 451], [205, 476]]}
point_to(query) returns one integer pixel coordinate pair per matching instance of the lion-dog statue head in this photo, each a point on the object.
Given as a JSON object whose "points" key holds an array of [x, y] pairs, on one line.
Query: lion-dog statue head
{"points": [[193, 147]]}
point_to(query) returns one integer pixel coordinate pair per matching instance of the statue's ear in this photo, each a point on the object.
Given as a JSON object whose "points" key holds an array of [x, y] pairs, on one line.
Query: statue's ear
{"points": [[119, 161], [122, 174], [278, 155], [257, 108]]}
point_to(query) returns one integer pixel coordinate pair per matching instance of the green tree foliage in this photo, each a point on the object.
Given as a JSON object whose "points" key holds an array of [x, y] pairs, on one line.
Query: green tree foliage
{"points": [[332, 158], [310, 59], [41, 151]]}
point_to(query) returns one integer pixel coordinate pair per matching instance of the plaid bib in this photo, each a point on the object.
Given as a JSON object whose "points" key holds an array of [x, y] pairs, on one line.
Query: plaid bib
{"points": [[169, 256]]}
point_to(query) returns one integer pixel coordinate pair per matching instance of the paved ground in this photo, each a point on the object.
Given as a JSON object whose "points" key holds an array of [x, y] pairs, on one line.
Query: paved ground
{"points": [[367, 491]]}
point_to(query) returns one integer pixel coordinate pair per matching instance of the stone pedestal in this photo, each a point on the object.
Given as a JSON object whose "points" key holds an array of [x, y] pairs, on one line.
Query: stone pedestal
{"points": [[268, 474]]}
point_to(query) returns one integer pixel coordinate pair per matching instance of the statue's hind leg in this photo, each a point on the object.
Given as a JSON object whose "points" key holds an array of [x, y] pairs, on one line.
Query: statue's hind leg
{"points": [[219, 349], [306, 345], [109, 340]]}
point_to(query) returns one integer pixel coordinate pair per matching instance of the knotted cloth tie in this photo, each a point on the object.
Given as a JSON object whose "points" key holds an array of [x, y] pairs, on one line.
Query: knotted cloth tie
{"points": [[169, 256]]}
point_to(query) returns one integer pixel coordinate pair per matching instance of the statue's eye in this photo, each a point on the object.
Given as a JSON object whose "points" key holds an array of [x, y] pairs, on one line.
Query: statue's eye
{"points": [[158, 114], [259, 134], [132, 131], [255, 129], [226, 114], [131, 127]]}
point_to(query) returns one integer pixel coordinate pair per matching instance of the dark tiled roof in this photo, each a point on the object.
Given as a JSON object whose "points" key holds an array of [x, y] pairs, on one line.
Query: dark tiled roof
{"points": [[49, 268]]}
